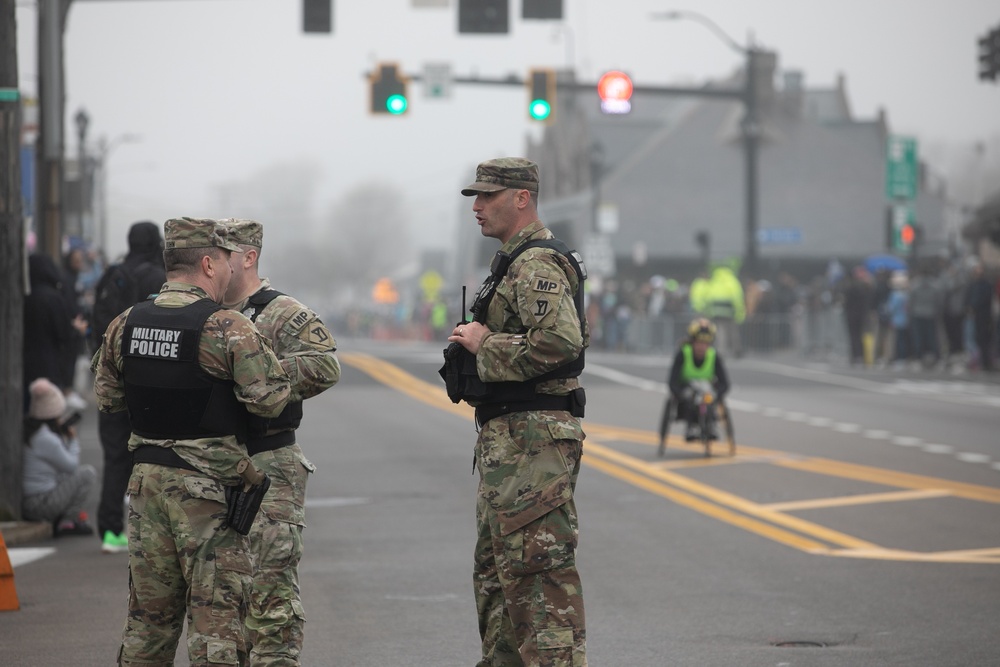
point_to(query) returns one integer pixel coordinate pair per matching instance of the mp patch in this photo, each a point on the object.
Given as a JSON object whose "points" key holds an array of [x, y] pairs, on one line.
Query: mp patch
{"points": [[300, 319], [543, 284]]}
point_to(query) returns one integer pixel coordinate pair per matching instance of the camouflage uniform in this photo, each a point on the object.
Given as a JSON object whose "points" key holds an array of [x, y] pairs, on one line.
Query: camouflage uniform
{"points": [[306, 350], [182, 556], [528, 591]]}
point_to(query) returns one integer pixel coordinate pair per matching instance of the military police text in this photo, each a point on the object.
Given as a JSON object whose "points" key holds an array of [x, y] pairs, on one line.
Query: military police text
{"points": [[149, 342]]}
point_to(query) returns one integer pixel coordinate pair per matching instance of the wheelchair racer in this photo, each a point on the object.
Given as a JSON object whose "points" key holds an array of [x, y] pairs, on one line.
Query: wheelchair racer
{"points": [[697, 362]]}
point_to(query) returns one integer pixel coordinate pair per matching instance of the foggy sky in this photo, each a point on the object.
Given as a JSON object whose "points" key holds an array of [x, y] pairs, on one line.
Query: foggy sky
{"points": [[220, 90]]}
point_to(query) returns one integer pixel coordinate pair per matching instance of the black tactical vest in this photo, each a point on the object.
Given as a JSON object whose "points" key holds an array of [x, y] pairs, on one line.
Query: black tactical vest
{"points": [[459, 371], [291, 416], [169, 395]]}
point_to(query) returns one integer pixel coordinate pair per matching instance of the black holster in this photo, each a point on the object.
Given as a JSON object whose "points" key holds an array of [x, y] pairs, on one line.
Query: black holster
{"points": [[243, 503]]}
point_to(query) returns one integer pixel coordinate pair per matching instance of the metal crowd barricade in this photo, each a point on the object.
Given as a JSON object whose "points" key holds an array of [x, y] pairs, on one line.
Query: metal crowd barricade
{"points": [[817, 334], [659, 334]]}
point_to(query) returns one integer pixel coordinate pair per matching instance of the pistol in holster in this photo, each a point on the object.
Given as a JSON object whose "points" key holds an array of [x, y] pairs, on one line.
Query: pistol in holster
{"points": [[243, 501]]}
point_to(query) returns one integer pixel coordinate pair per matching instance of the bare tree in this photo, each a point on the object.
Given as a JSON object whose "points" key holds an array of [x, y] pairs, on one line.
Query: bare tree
{"points": [[279, 195], [364, 237], [971, 171]]}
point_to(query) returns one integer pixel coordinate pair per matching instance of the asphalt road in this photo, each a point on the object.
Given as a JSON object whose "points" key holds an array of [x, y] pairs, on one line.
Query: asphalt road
{"points": [[856, 525]]}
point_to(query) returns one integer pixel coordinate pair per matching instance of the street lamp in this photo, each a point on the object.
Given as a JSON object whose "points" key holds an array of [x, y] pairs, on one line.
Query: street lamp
{"points": [[567, 35], [104, 149], [82, 123], [597, 169], [751, 128]]}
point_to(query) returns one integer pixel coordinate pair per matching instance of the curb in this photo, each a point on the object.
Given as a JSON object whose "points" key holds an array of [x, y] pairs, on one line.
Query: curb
{"points": [[24, 532]]}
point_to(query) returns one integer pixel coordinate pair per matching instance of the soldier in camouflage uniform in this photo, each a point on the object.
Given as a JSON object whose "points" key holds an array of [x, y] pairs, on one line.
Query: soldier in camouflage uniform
{"points": [[528, 452], [183, 367], [306, 351]]}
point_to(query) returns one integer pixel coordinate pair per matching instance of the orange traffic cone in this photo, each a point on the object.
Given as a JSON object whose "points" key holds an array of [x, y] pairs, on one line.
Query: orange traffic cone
{"points": [[8, 595]]}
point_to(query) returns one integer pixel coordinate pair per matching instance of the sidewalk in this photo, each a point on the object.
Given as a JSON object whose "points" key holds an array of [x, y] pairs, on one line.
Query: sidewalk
{"points": [[73, 597], [907, 371]]}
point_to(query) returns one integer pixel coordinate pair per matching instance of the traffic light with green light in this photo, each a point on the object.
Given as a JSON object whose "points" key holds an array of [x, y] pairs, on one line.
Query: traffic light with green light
{"points": [[542, 94], [388, 90]]}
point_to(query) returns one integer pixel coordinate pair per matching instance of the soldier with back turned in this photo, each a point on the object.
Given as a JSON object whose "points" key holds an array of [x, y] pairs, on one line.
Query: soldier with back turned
{"points": [[306, 350], [188, 371]]}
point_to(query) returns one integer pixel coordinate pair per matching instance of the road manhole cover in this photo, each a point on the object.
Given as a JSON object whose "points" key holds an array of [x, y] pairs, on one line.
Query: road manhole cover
{"points": [[800, 644]]}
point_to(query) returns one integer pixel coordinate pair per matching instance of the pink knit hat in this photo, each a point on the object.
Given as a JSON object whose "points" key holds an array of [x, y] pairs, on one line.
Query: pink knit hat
{"points": [[47, 401]]}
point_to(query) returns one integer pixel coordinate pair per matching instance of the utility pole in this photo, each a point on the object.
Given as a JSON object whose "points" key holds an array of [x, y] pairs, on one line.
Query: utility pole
{"points": [[751, 125], [49, 147], [11, 269], [80, 226], [751, 145]]}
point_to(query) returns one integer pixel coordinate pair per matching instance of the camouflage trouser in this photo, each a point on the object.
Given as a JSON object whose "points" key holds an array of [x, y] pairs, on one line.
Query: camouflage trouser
{"points": [[528, 592], [276, 621], [182, 557]]}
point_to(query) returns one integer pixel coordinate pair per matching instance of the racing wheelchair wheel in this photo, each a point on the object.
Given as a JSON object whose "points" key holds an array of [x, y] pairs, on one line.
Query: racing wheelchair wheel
{"points": [[726, 424], [705, 426], [669, 415]]}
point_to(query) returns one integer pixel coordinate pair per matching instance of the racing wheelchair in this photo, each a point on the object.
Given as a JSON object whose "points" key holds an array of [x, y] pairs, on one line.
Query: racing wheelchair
{"points": [[714, 418]]}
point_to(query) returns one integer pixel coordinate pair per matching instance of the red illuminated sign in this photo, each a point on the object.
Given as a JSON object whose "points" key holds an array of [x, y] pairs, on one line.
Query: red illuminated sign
{"points": [[615, 89]]}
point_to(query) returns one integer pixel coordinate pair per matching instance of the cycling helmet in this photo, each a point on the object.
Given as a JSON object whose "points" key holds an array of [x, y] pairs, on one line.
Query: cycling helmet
{"points": [[702, 329]]}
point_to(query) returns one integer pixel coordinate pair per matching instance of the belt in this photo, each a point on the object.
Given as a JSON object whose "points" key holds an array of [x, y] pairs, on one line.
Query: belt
{"points": [[270, 442], [163, 456], [484, 413]]}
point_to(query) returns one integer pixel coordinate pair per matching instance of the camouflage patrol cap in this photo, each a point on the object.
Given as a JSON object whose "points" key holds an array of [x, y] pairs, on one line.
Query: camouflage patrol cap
{"points": [[503, 173], [245, 232], [196, 233]]}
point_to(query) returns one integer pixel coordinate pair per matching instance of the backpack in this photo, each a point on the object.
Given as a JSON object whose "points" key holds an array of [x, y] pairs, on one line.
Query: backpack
{"points": [[116, 291]]}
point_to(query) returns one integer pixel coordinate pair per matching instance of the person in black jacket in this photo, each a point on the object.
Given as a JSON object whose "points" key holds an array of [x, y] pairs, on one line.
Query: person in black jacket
{"points": [[48, 325], [979, 304], [856, 300], [73, 263], [138, 276]]}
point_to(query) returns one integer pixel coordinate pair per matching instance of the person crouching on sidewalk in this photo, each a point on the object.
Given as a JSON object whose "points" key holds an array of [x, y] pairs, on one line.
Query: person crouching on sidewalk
{"points": [[56, 485]]}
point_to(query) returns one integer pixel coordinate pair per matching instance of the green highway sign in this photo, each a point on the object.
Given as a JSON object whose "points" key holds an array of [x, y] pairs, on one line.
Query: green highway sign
{"points": [[901, 168]]}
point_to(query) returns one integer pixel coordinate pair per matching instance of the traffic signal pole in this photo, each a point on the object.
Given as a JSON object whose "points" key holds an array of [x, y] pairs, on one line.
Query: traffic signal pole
{"points": [[751, 129], [751, 145]]}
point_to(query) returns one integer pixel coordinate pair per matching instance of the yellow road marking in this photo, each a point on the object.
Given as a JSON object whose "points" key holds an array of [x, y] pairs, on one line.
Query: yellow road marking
{"points": [[860, 499], [697, 463], [400, 380], [892, 478], [769, 521], [607, 432], [989, 556], [728, 499], [710, 509]]}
